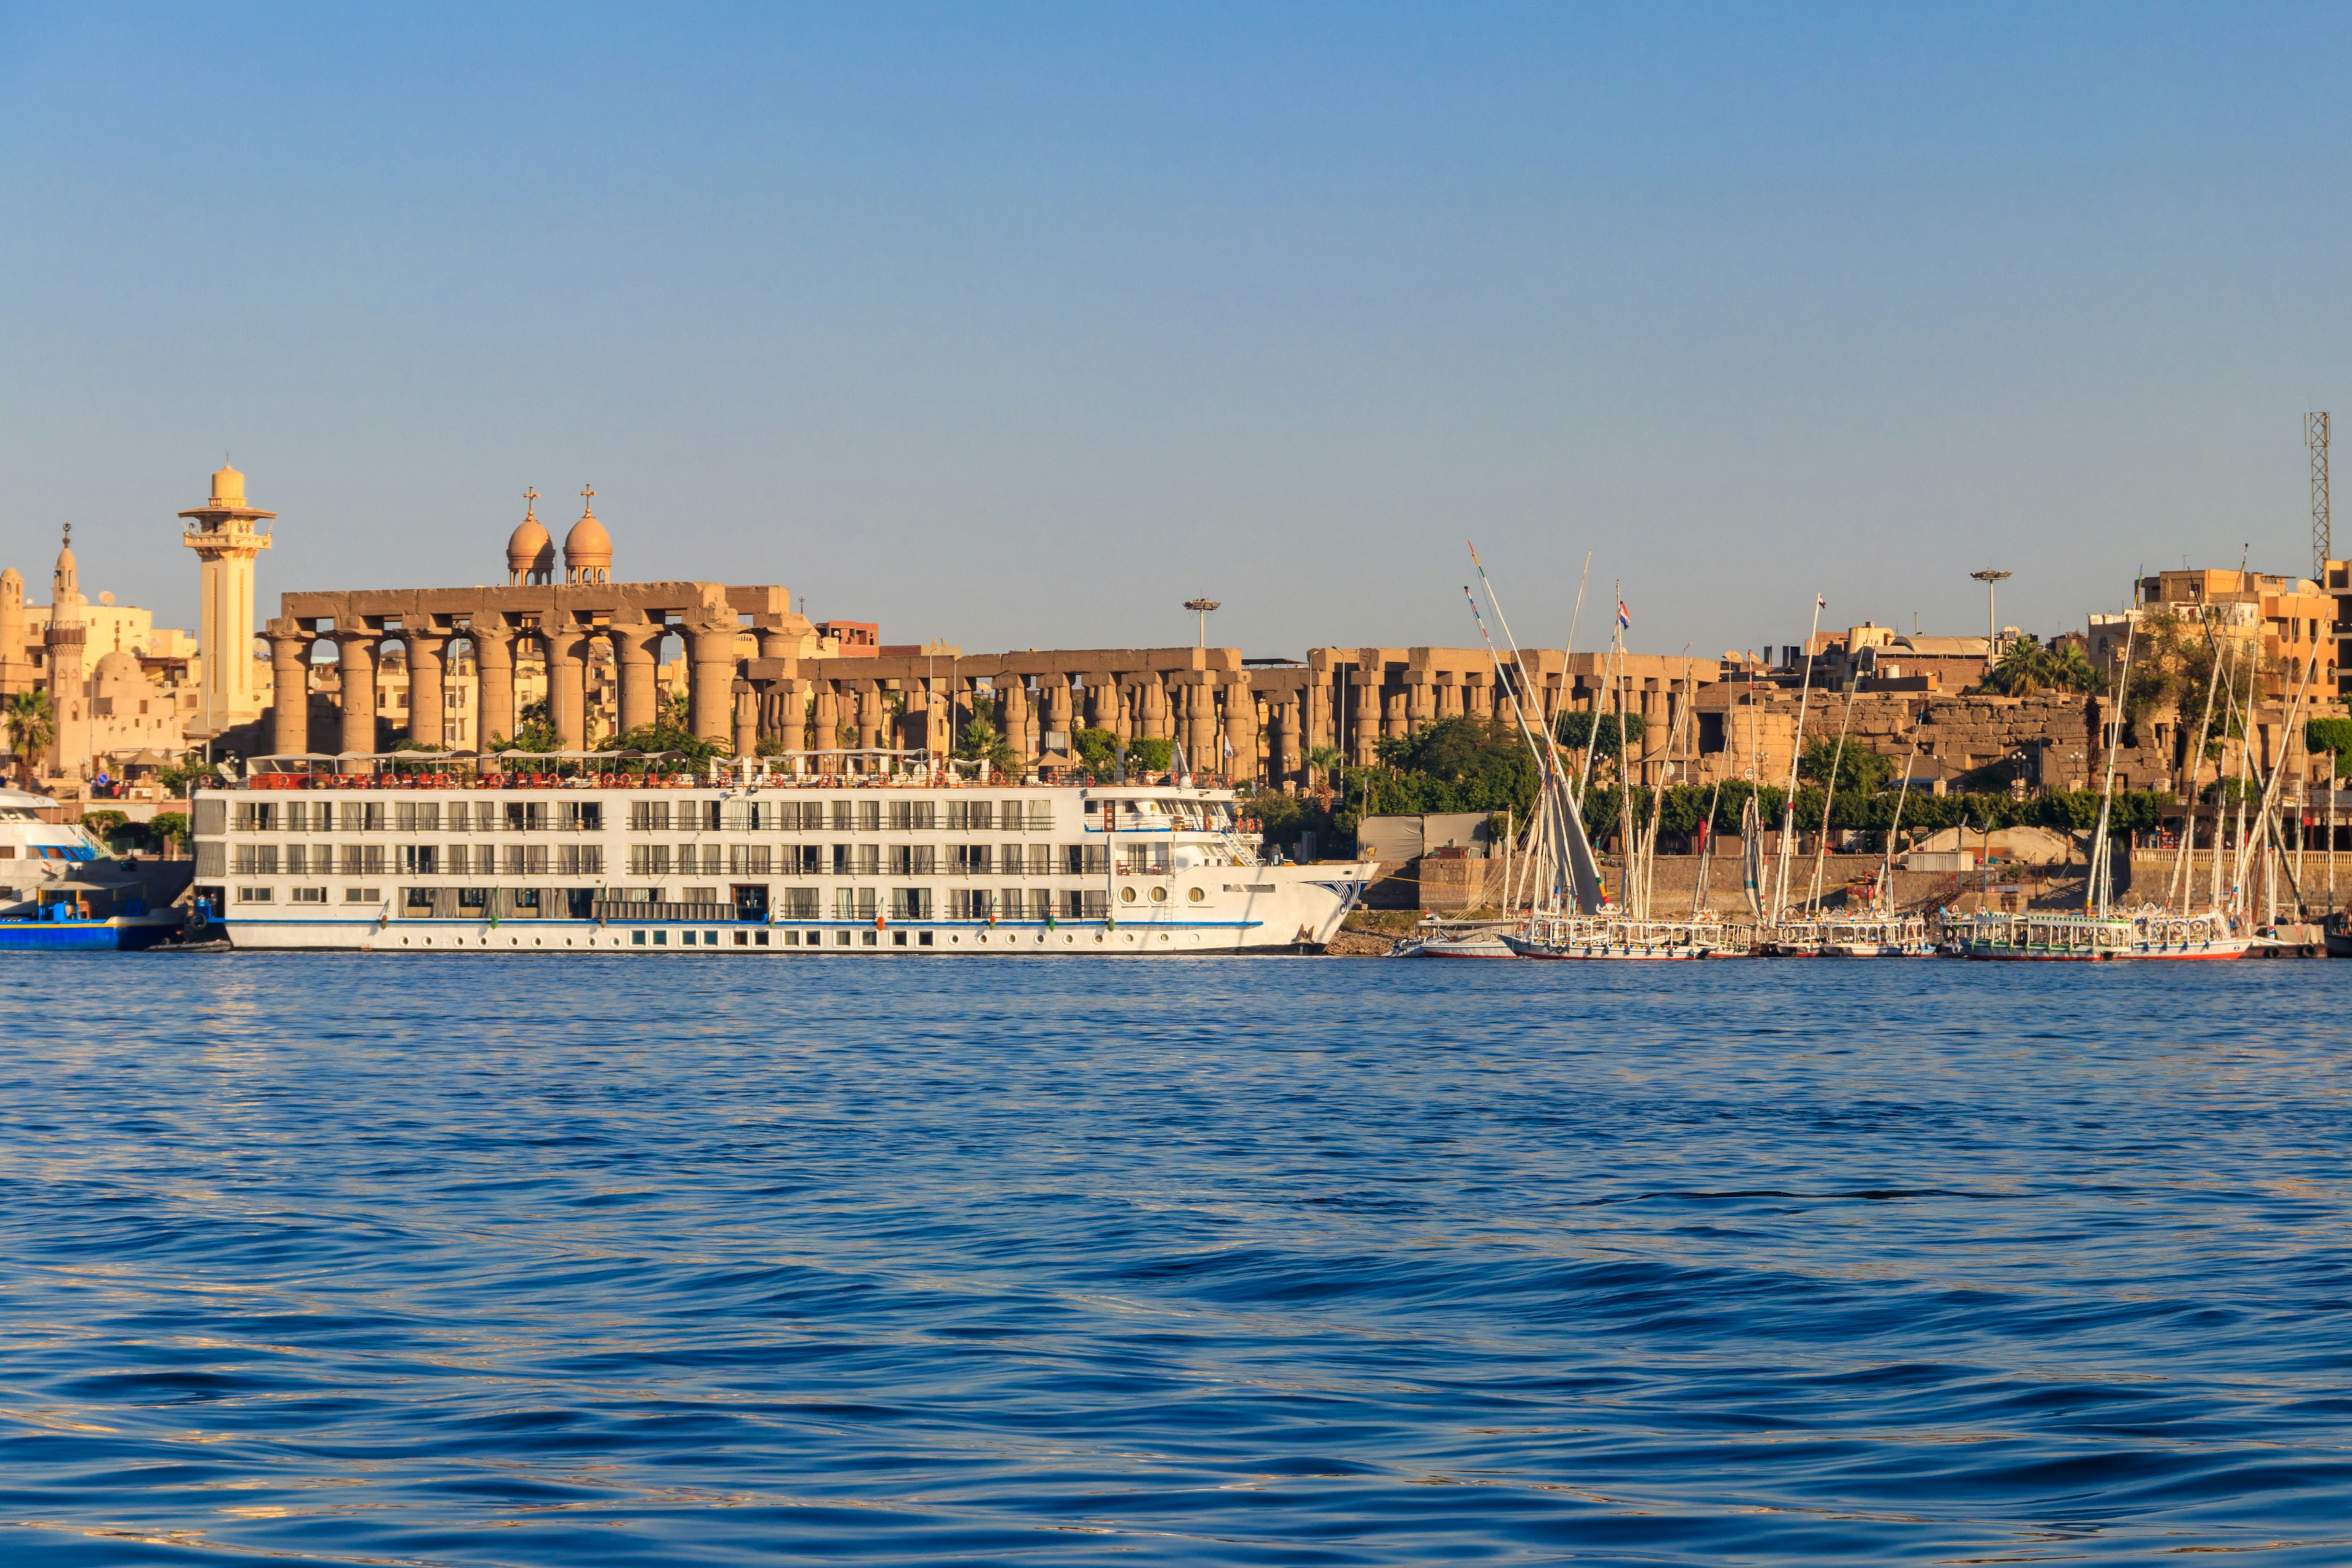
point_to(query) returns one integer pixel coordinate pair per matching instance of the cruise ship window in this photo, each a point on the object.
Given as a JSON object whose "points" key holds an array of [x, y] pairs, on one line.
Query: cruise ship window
{"points": [[845, 816], [869, 816]]}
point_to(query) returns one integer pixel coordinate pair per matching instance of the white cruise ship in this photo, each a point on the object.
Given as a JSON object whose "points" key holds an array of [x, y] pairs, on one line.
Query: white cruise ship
{"points": [[745, 862]]}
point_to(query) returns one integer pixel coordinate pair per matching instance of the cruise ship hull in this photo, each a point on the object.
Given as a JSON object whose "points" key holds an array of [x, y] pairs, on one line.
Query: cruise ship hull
{"points": [[869, 869], [1275, 934]]}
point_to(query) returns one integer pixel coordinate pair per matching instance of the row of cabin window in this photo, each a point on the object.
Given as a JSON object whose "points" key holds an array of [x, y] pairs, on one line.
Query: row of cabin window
{"points": [[307, 894], [888, 859], [379, 860], [248, 859], [792, 903], [844, 815], [419, 816], [645, 815], [959, 904]]}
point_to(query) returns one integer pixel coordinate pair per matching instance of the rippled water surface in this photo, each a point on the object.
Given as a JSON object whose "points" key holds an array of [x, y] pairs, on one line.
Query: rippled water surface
{"points": [[472, 1260]]}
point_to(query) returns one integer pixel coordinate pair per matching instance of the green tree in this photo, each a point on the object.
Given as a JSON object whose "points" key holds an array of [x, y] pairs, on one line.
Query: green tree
{"points": [[980, 743], [1576, 730], [2331, 737], [2026, 668], [108, 826], [31, 728], [1860, 771], [1098, 750], [1320, 760], [1151, 756], [171, 828], [1462, 764]]}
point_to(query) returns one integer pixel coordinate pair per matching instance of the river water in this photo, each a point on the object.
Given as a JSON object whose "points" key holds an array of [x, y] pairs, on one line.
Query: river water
{"points": [[482, 1261]]}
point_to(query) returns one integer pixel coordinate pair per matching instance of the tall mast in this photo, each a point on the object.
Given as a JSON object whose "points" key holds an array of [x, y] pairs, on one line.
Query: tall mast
{"points": [[1829, 799], [2176, 890], [1509, 687], [1658, 800], [1886, 870], [1796, 748], [2266, 827], [1624, 775], [2099, 890]]}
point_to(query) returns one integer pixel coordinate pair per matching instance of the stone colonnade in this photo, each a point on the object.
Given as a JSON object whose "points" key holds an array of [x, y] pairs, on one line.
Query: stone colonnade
{"points": [[564, 622], [754, 686]]}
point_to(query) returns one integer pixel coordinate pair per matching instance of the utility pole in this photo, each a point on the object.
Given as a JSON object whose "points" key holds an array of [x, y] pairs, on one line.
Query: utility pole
{"points": [[1201, 607], [2314, 436], [1993, 622]]}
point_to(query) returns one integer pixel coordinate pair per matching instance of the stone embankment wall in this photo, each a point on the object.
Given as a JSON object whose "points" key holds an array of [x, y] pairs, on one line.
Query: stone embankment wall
{"points": [[2060, 733]]}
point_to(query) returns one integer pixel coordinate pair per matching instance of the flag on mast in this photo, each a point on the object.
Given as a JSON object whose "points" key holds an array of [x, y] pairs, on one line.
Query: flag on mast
{"points": [[1624, 616]]}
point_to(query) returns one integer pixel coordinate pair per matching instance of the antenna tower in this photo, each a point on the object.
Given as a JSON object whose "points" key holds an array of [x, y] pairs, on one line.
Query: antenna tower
{"points": [[2315, 435]]}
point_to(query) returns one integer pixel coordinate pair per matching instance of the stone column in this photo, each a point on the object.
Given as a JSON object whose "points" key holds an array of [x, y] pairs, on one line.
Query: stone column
{"points": [[567, 687], [1056, 690], [871, 715], [828, 723], [636, 656], [1012, 715], [1420, 706], [1118, 698], [747, 720], [939, 718], [1201, 748], [1315, 714], [427, 687], [1151, 706], [494, 678], [290, 675], [711, 697], [1394, 726], [1364, 720], [792, 719], [356, 655], [1478, 697], [1241, 730]]}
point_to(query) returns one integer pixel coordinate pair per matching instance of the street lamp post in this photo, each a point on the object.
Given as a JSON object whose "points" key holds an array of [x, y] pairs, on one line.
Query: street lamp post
{"points": [[1992, 623], [1201, 607]]}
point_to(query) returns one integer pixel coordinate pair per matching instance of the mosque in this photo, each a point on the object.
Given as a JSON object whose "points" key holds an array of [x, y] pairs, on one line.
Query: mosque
{"points": [[120, 689]]}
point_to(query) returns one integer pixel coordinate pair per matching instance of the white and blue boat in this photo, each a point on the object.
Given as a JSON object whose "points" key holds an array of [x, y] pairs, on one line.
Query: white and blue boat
{"points": [[62, 891]]}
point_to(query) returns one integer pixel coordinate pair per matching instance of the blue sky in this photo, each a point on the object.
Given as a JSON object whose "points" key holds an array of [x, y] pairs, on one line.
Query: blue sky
{"points": [[1019, 325]]}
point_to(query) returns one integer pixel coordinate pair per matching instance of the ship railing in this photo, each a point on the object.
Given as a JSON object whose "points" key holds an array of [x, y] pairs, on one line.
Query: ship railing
{"points": [[609, 910]]}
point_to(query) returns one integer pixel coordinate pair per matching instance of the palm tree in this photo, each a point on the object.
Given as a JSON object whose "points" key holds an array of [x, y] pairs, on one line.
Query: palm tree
{"points": [[2024, 671], [32, 727], [1320, 760]]}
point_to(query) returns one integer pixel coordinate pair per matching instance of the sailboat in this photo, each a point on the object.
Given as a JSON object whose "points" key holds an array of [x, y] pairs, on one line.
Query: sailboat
{"points": [[1574, 917], [2101, 932], [1879, 929]]}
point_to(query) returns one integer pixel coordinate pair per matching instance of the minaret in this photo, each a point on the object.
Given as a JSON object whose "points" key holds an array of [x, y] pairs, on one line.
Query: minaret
{"points": [[15, 670], [223, 537], [67, 631]]}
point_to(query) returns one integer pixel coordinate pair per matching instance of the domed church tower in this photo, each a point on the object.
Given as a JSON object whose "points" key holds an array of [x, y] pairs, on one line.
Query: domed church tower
{"points": [[588, 549], [531, 551]]}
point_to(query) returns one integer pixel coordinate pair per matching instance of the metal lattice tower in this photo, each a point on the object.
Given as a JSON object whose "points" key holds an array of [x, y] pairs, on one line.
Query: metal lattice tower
{"points": [[2315, 435]]}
